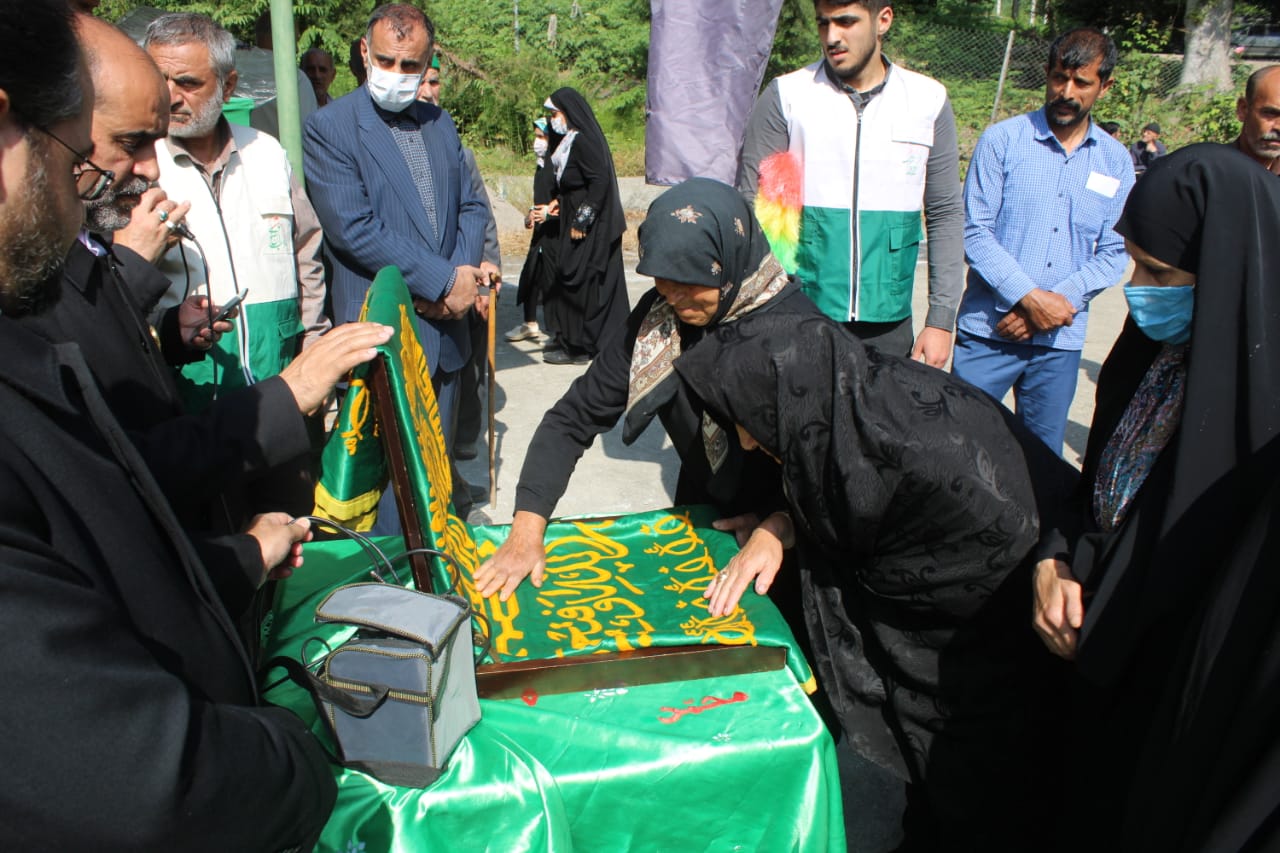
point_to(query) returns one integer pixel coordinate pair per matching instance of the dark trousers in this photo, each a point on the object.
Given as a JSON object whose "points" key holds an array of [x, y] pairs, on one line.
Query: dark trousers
{"points": [[894, 338]]}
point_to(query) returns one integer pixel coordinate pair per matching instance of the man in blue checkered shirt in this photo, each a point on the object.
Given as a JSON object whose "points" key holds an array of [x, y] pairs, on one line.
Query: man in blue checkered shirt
{"points": [[1041, 195]]}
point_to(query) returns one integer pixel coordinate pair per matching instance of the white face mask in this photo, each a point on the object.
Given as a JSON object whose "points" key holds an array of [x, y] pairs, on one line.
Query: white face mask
{"points": [[558, 125], [540, 147], [393, 92]]}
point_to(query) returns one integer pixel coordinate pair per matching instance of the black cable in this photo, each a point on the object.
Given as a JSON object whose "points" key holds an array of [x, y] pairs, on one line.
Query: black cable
{"points": [[455, 581], [376, 555], [186, 292]]}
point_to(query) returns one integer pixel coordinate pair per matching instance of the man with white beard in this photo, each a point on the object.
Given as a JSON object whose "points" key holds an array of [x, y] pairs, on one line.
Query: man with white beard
{"points": [[256, 235]]}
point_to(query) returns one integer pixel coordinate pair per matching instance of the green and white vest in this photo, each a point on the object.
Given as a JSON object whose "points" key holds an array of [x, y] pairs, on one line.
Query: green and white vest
{"points": [[246, 243], [881, 160]]}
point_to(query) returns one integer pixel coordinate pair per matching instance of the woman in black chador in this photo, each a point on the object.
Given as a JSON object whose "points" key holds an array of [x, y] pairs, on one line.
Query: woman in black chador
{"points": [[914, 514], [1167, 588], [542, 263], [589, 299]]}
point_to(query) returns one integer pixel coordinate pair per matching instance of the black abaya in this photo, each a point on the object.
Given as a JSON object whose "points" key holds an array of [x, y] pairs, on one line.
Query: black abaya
{"points": [[542, 263], [1176, 728], [914, 509], [588, 300]]}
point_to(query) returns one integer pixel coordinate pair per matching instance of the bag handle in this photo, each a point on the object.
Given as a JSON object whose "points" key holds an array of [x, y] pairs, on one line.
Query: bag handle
{"points": [[320, 690]]}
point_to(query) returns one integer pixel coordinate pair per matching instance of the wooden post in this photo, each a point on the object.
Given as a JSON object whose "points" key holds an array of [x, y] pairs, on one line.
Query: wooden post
{"points": [[1004, 72]]}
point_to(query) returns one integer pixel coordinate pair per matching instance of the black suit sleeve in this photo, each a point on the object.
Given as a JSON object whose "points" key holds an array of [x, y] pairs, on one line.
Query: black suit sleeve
{"points": [[234, 562], [111, 750], [195, 457]]}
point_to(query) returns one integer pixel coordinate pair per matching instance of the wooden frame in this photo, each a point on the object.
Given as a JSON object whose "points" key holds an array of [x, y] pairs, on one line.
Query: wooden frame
{"points": [[555, 675], [398, 470]]}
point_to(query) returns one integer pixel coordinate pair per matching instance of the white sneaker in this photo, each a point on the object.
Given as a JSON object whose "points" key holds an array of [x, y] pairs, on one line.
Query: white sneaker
{"points": [[523, 332]]}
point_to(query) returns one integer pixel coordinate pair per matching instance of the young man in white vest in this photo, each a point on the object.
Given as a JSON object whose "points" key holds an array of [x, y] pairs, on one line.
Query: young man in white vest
{"points": [[256, 234], [875, 144]]}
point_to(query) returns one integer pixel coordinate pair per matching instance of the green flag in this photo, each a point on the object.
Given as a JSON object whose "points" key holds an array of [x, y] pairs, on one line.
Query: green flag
{"points": [[353, 467]]}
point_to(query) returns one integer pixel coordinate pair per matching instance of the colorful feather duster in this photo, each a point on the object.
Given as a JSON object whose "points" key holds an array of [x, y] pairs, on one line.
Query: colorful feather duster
{"points": [[778, 205]]}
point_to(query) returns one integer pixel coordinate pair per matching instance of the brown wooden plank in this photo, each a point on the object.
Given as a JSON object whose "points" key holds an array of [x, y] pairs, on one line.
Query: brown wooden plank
{"points": [[393, 445], [624, 669]]}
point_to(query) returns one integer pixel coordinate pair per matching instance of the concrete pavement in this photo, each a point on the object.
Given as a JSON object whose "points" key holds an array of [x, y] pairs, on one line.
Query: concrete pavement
{"points": [[612, 478]]}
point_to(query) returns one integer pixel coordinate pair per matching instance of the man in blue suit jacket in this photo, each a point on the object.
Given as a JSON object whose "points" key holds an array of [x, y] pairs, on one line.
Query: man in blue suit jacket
{"points": [[386, 175]]}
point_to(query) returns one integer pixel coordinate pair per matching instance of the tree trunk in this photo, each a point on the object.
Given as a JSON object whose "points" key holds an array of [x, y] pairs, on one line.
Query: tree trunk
{"points": [[1208, 53]]}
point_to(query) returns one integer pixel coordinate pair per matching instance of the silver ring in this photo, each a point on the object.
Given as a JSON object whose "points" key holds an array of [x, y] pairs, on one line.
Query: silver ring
{"points": [[163, 214], [170, 225]]}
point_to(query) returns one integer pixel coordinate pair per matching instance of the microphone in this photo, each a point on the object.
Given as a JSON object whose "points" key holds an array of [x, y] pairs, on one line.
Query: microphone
{"points": [[181, 229]]}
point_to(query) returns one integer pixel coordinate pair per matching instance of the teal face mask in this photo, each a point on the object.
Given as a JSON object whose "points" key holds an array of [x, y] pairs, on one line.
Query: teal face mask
{"points": [[1162, 313]]}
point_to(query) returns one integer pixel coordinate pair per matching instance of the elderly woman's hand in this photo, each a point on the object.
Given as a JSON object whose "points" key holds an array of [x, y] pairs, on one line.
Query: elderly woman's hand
{"points": [[758, 561], [1058, 611], [523, 555]]}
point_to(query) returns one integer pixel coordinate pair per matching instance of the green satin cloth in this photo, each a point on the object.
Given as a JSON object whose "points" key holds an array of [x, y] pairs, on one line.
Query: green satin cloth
{"points": [[734, 763], [730, 763], [602, 772]]}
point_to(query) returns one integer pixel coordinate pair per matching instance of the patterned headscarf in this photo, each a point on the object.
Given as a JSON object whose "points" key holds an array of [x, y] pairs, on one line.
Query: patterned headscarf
{"points": [[700, 232]]}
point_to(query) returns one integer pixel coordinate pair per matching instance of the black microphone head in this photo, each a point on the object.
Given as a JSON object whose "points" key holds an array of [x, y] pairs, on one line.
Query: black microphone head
{"points": [[181, 229]]}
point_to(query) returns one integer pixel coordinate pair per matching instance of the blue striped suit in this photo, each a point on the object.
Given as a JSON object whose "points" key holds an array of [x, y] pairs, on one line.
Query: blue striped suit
{"points": [[373, 215]]}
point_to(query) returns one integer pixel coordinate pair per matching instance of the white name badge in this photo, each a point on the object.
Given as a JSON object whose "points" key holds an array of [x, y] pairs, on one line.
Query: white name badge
{"points": [[1103, 184]]}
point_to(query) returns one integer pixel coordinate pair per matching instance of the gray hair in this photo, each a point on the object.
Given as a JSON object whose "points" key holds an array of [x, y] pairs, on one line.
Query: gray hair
{"points": [[187, 27], [402, 18]]}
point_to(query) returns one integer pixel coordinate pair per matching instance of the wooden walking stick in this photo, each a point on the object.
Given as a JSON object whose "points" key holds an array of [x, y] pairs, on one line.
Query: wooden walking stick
{"points": [[491, 378]]}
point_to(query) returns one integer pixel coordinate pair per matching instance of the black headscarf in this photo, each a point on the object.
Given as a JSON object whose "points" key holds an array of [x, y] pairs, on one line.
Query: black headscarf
{"points": [[1187, 591], [580, 117], [914, 507], [578, 114], [1209, 210], [847, 422], [700, 232]]}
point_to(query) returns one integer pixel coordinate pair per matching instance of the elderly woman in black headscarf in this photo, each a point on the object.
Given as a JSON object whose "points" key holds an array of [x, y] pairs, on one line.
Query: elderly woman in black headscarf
{"points": [[913, 501], [711, 266], [588, 300], [1166, 588]]}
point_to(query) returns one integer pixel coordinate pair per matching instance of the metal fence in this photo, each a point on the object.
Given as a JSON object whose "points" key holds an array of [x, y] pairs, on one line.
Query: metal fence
{"points": [[970, 63], [952, 53]]}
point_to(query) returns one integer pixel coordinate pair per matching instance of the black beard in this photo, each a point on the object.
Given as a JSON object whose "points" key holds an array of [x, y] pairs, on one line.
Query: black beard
{"points": [[31, 267]]}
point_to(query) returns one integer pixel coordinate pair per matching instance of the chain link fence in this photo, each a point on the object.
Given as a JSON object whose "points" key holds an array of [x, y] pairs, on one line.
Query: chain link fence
{"points": [[970, 63]]}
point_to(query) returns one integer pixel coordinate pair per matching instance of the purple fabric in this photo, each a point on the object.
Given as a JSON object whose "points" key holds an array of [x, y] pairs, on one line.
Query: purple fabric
{"points": [[706, 61]]}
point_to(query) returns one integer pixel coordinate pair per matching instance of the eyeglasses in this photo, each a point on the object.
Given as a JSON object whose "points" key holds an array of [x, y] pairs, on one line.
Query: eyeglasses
{"points": [[102, 178]]}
